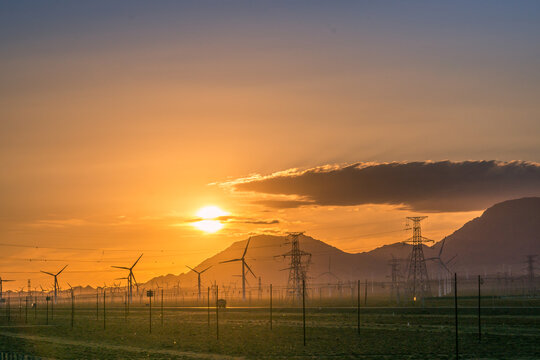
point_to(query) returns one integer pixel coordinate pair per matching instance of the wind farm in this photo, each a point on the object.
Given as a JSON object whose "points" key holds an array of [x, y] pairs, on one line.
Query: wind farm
{"points": [[270, 180], [334, 305]]}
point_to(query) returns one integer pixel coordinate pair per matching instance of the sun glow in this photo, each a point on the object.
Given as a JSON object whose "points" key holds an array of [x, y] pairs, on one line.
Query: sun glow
{"points": [[210, 222], [211, 212]]}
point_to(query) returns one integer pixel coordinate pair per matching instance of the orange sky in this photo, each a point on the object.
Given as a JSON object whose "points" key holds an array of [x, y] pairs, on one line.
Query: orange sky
{"points": [[118, 124]]}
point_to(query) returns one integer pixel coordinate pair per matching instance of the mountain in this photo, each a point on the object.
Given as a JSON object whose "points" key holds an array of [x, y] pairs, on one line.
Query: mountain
{"points": [[499, 240], [494, 242]]}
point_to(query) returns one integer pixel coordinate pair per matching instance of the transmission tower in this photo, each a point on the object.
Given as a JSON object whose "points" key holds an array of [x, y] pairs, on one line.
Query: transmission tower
{"points": [[395, 276], [298, 266], [417, 278], [531, 259]]}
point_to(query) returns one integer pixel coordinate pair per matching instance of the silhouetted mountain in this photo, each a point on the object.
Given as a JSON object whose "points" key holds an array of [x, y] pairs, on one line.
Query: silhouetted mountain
{"points": [[494, 242], [499, 240]]}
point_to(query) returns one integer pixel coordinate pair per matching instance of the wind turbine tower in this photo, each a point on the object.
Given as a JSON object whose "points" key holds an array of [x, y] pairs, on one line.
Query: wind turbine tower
{"points": [[56, 287], [445, 287], [244, 266], [198, 278], [130, 278]]}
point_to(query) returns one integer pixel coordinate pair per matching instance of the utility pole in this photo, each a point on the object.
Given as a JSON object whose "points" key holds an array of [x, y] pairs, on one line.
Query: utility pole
{"points": [[456, 316], [358, 307], [297, 267], [161, 307], [217, 313], [270, 306], [304, 309], [417, 279], [72, 307]]}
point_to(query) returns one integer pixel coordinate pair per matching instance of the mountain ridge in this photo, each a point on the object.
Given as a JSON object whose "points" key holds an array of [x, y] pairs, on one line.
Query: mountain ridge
{"points": [[481, 246]]}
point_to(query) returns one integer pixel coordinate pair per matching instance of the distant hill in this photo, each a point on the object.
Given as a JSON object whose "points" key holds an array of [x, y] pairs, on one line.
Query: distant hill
{"points": [[499, 240], [496, 241]]}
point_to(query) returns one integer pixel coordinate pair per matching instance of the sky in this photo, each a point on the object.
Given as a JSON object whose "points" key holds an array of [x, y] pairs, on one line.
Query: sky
{"points": [[120, 120]]}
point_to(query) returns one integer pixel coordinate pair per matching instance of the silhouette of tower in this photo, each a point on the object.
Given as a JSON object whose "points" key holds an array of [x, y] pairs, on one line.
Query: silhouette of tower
{"points": [[297, 268], [417, 277], [531, 259], [395, 276]]}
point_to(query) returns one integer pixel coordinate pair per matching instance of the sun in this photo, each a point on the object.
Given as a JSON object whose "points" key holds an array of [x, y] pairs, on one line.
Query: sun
{"points": [[210, 222], [211, 212]]}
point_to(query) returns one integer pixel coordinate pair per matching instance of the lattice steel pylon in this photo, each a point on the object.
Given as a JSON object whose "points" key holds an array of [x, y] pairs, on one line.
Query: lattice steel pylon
{"points": [[395, 276], [531, 259], [297, 266], [417, 275]]}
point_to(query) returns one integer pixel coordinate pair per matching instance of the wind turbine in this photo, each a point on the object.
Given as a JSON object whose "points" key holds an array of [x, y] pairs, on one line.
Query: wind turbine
{"points": [[330, 275], [130, 277], [244, 266], [198, 277], [443, 266], [1, 282], [55, 280]]}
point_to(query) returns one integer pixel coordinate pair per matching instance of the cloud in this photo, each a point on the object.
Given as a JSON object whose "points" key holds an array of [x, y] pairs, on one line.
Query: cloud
{"points": [[418, 186]]}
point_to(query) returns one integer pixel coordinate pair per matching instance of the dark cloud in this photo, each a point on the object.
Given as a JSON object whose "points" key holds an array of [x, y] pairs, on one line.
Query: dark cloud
{"points": [[420, 186]]}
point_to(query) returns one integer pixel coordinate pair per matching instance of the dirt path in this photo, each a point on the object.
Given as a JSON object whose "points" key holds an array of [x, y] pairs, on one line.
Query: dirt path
{"points": [[62, 341]]}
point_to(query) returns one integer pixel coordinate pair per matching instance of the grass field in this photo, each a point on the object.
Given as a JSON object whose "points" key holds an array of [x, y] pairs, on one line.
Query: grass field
{"points": [[510, 330]]}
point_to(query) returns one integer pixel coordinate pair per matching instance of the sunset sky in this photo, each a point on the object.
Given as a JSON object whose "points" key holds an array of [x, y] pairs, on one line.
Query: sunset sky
{"points": [[121, 120]]}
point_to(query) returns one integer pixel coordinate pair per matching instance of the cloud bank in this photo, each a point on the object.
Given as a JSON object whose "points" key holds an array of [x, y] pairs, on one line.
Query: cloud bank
{"points": [[418, 186]]}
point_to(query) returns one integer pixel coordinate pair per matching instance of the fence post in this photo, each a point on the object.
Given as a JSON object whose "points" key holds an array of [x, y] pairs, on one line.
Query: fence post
{"points": [[208, 301], [304, 308], [72, 307], [161, 307], [456, 314], [270, 306], [8, 308], [358, 309], [479, 310], [217, 312], [104, 313]]}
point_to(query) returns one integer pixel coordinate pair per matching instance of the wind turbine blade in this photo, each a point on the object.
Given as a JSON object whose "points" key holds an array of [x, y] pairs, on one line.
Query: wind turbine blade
{"points": [[445, 267], [61, 270], [206, 269], [451, 259], [228, 261], [120, 267], [192, 269], [132, 266], [251, 271], [245, 250], [442, 246], [48, 273]]}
